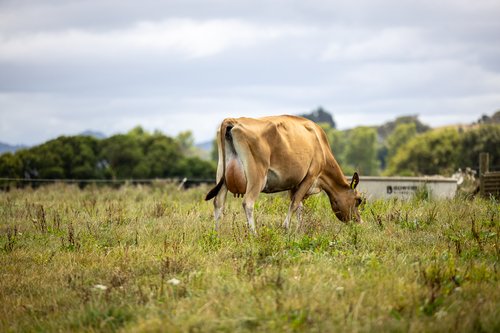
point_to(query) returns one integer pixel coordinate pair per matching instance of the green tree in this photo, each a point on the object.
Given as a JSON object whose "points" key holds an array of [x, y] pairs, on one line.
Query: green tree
{"points": [[163, 155], [431, 153], [483, 138], [80, 157], [65, 157], [194, 167], [320, 115], [386, 129], [138, 132], [137, 154], [84, 162], [403, 133], [121, 154], [48, 159], [186, 142], [11, 166], [361, 151], [338, 144]]}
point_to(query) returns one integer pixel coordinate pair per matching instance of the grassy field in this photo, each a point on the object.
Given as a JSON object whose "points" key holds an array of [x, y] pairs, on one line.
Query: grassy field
{"points": [[145, 259]]}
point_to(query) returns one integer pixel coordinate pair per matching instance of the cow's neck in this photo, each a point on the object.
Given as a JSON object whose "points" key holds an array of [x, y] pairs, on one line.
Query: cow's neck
{"points": [[333, 179]]}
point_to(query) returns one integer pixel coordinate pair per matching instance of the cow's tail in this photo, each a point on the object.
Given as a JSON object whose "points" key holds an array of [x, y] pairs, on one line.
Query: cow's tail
{"points": [[213, 192], [225, 129]]}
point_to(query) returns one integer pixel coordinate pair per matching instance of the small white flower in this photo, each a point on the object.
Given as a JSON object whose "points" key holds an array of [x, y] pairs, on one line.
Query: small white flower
{"points": [[173, 281], [441, 314], [100, 287]]}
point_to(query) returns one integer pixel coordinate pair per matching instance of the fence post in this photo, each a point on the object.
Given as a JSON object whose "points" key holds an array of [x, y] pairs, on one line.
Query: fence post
{"points": [[484, 165]]}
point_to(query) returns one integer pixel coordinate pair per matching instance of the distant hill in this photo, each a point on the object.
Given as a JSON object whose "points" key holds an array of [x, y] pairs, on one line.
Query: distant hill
{"points": [[206, 146], [203, 150], [6, 148], [94, 134]]}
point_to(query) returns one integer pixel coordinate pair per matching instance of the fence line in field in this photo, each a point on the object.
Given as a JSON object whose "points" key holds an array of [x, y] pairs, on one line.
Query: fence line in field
{"points": [[182, 182]]}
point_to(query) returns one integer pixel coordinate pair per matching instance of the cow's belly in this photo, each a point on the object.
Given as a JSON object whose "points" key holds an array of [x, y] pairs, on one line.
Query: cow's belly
{"points": [[236, 180], [277, 183]]}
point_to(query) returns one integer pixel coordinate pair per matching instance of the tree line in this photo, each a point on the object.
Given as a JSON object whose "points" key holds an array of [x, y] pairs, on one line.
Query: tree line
{"points": [[137, 154], [406, 147]]}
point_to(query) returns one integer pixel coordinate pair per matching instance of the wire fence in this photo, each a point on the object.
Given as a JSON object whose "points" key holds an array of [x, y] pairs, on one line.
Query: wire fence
{"points": [[182, 183]]}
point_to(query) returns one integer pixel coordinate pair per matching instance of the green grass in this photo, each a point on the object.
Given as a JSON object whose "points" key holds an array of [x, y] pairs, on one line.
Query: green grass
{"points": [[418, 265]]}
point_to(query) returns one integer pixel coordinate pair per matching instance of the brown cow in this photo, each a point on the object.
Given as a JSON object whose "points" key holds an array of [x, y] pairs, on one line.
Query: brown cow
{"points": [[279, 153]]}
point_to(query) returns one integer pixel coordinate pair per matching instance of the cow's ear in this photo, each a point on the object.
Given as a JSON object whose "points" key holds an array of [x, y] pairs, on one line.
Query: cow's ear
{"points": [[355, 180]]}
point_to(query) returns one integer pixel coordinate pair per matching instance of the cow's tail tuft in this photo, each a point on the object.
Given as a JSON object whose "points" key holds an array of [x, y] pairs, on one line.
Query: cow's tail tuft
{"points": [[213, 192]]}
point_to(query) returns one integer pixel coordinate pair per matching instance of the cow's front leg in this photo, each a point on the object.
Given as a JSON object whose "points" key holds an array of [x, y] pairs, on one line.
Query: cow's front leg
{"points": [[300, 210], [296, 196]]}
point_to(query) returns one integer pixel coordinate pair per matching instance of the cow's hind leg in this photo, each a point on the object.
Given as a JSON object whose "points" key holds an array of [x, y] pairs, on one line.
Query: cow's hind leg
{"points": [[219, 201], [249, 202], [254, 169], [254, 187]]}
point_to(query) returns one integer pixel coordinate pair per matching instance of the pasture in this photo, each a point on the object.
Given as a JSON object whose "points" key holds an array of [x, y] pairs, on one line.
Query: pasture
{"points": [[146, 259]]}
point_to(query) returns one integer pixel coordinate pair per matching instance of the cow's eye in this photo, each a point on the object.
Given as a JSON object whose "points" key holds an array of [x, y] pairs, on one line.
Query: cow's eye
{"points": [[359, 201]]}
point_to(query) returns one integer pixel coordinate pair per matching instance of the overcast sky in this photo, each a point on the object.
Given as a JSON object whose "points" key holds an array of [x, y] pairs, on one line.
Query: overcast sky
{"points": [[109, 65]]}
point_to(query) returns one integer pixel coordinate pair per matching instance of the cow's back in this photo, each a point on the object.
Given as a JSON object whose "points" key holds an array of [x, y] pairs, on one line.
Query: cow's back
{"points": [[286, 148], [286, 136]]}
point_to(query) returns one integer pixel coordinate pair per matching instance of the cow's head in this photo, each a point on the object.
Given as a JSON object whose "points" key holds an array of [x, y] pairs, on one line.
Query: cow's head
{"points": [[345, 204]]}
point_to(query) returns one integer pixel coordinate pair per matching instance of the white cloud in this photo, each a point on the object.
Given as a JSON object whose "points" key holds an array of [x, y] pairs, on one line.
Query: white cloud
{"points": [[390, 44], [183, 37], [424, 79], [109, 65]]}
